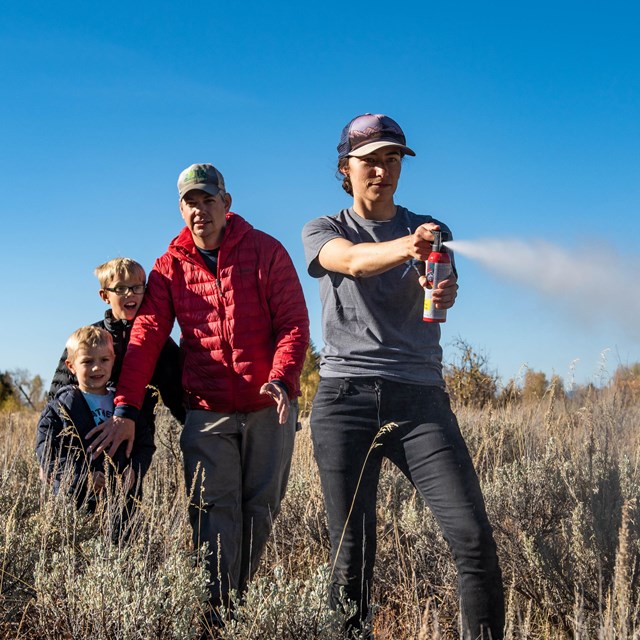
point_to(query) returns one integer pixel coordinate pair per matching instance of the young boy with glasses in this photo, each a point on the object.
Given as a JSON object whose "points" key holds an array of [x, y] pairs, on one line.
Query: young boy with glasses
{"points": [[61, 442]]}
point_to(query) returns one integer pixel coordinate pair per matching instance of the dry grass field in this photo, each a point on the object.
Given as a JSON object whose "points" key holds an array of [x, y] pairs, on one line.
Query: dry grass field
{"points": [[561, 482]]}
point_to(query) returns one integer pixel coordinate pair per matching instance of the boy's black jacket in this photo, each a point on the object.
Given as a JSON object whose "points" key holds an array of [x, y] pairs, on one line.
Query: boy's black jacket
{"points": [[61, 440]]}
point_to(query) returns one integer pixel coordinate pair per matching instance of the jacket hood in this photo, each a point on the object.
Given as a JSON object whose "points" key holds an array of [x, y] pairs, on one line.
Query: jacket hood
{"points": [[66, 390], [184, 248]]}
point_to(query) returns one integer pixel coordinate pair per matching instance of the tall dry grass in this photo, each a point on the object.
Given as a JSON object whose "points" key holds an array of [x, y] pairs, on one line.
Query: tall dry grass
{"points": [[561, 484]]}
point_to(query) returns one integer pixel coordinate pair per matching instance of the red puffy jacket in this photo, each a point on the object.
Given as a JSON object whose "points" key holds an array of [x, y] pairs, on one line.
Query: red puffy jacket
{"points": [[239, 330]]}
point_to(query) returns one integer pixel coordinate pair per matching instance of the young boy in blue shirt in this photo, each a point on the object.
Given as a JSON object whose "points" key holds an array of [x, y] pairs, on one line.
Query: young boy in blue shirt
{"points": [[61, 443]]}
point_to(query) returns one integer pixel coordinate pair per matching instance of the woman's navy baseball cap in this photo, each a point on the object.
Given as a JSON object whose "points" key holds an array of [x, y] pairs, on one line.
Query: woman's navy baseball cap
{"points": [[369, 132]]}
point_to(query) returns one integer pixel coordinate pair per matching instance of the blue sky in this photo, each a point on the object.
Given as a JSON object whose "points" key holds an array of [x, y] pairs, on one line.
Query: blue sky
{"points": [[525, 119]]}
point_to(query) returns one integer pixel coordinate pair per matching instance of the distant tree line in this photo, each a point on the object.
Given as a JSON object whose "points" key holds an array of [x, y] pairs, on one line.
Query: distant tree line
{"points": [[469, 378], [19, 390], [471, 382]]}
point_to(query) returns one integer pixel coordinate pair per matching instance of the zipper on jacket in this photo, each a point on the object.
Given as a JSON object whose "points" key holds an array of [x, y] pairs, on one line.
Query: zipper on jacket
{"points": [[226, 339]]}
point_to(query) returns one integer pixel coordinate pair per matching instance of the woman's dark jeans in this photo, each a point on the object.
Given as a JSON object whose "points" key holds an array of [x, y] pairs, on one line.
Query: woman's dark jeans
{"points": [[427, 446]]}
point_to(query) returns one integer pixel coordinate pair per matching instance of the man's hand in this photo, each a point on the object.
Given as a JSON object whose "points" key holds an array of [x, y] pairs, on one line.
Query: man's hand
{"points": [[281, 398], [112, 433]]}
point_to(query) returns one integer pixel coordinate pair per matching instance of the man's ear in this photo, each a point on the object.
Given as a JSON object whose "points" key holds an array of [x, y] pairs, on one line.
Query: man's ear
{"points": [[227, 202], [104, 295], [70, 366]]}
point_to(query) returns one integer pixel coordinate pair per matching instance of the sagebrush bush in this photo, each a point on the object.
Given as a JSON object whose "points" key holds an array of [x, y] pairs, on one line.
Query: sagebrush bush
{"points": [[64, 576], [277, 606], [98, 591]]}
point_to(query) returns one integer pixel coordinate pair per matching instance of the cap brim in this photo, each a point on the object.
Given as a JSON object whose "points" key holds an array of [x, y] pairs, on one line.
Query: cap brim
{"points": [[207, 188], [379, 144]]}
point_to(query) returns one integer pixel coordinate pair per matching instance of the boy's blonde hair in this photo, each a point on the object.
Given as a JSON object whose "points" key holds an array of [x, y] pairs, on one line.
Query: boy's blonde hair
{"points": [[91, 337], [125, 268]]}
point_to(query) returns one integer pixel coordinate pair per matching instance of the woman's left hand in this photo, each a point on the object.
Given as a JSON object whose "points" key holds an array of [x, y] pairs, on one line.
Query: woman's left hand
{"points": [[444, 295]]}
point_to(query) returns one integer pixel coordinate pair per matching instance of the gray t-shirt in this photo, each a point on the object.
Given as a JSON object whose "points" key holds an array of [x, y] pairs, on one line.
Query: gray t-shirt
{"points": [[373, 326]]}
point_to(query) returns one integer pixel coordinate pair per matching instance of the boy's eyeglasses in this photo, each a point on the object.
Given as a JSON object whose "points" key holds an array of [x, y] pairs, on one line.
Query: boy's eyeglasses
{"points": [[122, 289]]}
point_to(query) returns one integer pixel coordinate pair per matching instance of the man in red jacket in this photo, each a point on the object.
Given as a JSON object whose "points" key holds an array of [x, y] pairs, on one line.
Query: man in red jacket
{"points": [[236, 296]]}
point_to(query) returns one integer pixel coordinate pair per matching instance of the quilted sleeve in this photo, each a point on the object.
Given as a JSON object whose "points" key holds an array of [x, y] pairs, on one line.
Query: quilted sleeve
{"points": [[289, 318]]}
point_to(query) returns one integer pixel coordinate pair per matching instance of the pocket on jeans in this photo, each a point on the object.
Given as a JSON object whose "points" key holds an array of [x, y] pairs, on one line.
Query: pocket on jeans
{"points": [[330, 390]]}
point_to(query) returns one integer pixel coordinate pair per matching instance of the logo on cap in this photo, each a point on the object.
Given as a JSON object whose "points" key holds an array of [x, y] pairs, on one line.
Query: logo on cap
{"points": [[194, 175], [371, 131]]}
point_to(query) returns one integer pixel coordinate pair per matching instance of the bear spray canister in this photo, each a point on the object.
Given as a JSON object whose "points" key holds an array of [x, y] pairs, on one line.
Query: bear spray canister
{"points": [[438, 269]]}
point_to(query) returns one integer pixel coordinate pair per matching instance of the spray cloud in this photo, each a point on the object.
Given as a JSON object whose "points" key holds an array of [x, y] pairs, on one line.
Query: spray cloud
{"points": [[594, 285]]}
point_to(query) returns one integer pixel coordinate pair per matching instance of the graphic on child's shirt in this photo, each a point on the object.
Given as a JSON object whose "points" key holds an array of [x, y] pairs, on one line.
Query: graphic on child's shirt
{"points": [[101, 406]]}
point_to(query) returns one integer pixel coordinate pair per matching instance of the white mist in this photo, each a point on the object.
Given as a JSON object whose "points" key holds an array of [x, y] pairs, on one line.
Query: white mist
{"points": [[595, 285]]}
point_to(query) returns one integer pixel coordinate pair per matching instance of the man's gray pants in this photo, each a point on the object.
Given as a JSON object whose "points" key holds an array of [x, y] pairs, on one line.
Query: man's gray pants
{"points": [[236, 471]]}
